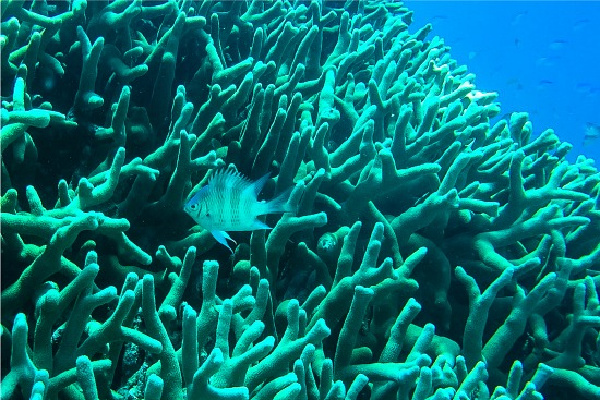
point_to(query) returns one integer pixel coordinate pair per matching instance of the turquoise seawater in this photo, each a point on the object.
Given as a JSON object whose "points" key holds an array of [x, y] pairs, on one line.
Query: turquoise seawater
{"points": [[542, 57]]}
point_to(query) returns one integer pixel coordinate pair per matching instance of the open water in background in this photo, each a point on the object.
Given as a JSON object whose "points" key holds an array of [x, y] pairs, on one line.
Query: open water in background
{"points": [[542, 57]]}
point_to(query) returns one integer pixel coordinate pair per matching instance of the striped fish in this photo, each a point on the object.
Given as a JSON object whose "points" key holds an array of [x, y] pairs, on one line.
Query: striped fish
{"points": [[228, 202]]}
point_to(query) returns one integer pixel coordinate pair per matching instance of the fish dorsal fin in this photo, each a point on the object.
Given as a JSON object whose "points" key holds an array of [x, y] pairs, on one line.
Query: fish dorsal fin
{"points": [[231, 179]]}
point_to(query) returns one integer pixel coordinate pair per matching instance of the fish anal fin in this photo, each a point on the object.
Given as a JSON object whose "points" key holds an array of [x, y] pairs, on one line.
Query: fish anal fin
{"points": [[258, 224], [222, 237]]}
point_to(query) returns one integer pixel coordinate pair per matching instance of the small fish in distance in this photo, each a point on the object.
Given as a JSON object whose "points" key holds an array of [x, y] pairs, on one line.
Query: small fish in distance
{"points": [[558, 44], [592, 132], [228, 202]]}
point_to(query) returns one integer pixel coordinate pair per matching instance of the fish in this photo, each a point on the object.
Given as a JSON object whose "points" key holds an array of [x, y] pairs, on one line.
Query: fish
{"points": [[546, 61], [439, 17], [592, 132], [229, 202], [544, 84], [584, 88], [517, 19], [581, 24], [558, 44]]}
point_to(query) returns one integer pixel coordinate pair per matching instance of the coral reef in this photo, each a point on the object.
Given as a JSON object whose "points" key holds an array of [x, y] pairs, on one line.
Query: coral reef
{"points": [[431, 253]]}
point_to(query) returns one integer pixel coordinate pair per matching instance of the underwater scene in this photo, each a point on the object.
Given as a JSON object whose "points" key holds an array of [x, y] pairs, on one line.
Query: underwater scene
{"points": [[290, 200]]}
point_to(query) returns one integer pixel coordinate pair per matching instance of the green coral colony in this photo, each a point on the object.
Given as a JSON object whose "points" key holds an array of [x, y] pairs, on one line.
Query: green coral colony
{"points": [[430, 254]]}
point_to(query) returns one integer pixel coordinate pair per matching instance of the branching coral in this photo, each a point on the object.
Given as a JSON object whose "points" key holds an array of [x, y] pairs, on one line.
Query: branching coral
{"points": [[433, 251]]}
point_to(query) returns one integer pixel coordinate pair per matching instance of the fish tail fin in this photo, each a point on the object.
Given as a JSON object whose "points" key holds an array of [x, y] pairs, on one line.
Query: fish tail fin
{"points": [[280, 204]]}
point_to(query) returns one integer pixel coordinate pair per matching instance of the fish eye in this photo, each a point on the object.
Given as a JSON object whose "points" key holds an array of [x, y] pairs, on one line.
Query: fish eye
{"points": [[193, 206]]}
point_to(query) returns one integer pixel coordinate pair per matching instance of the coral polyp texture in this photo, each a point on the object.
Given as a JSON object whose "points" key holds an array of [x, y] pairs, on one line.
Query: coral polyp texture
{"points": [[425, 252]]}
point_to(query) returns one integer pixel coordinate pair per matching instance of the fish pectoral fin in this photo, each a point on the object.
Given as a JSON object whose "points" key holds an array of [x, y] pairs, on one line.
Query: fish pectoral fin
{"points": [[222, 237]]}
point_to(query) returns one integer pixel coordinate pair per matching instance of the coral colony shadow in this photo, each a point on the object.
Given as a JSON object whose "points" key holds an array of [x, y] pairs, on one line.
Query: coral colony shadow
{"points": [[419, 247]]}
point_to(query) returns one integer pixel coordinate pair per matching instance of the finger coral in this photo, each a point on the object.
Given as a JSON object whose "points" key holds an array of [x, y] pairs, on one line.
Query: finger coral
{"points": [[428, 250]]}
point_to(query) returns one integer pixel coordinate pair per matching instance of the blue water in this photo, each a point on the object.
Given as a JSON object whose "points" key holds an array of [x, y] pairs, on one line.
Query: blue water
{"points": [[542, 57]]}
